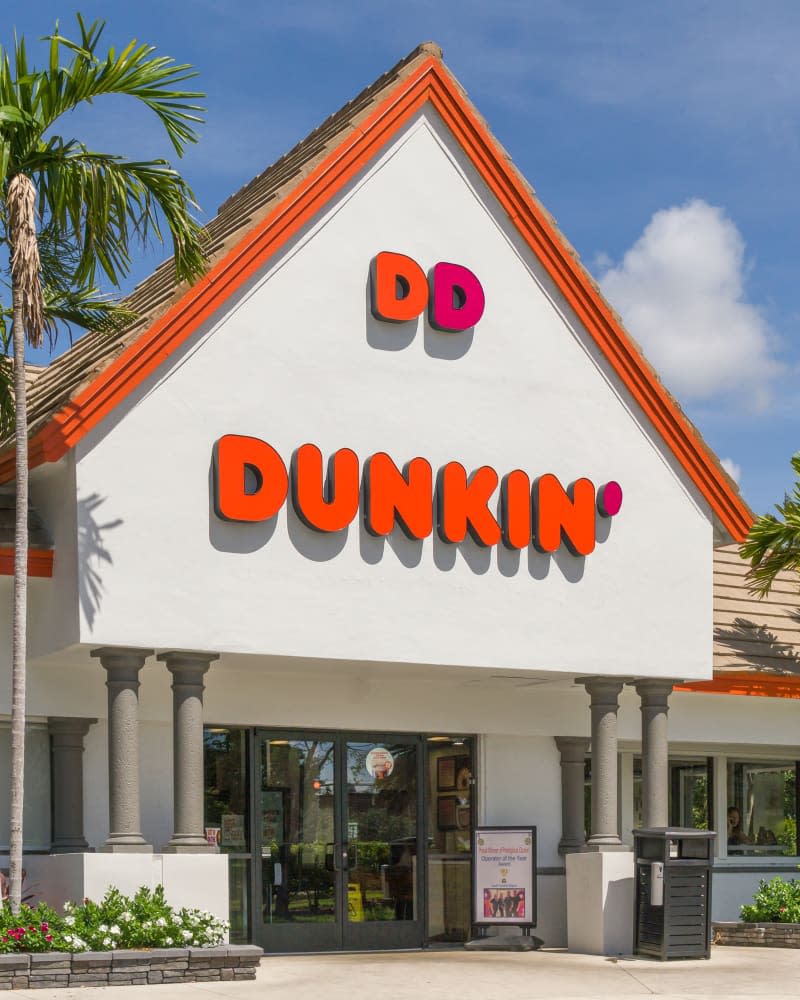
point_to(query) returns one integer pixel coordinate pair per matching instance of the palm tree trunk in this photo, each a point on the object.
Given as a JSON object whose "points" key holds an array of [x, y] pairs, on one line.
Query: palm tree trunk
{"points": [[20, 611], [27, 304]]}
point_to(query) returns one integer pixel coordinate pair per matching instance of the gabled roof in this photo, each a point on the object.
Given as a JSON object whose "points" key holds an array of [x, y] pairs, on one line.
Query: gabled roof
{"points": [[83, 385]]}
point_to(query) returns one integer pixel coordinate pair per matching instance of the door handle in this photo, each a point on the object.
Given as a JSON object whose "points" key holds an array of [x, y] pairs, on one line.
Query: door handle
{"points": [[331, 855]]}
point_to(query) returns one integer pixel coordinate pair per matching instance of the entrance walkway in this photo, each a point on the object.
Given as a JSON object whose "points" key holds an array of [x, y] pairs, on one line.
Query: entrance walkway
{"points": [[732, 973]]}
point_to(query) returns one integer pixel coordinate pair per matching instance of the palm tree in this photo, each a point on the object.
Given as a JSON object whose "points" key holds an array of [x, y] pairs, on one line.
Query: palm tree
{"points": [[774, 542], [89, 207]]}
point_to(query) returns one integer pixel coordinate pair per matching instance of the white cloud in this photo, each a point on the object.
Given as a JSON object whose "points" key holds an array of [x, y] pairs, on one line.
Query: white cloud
{"points": [[733, 470], [680, 290]]}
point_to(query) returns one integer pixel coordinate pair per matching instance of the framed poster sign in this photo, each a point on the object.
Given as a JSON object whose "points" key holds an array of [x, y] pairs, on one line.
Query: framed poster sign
{"points": [[504, 862]]}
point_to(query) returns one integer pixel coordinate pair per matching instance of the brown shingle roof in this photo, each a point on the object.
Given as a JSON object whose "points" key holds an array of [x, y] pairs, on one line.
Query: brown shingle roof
{"points": [[68, 374], [752, 634]]}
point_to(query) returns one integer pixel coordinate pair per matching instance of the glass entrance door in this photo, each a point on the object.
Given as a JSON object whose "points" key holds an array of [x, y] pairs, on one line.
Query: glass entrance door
{"points": [[296, 821], [338, 827], [381, 833]]}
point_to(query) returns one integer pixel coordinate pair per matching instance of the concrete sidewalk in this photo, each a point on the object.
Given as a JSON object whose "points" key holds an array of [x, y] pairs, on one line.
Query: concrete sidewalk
{"points": [[735, 973]]}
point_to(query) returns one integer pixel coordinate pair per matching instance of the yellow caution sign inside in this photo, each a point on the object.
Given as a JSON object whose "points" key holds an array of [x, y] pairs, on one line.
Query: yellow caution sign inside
{"points": [[355, 906]]}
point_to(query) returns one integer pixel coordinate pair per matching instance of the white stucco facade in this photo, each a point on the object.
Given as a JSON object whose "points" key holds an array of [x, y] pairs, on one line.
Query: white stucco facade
{"points": [[347, 632]]}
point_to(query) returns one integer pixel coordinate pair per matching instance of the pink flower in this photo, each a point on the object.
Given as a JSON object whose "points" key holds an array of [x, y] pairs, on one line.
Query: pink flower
{"points": [[49, 937]]}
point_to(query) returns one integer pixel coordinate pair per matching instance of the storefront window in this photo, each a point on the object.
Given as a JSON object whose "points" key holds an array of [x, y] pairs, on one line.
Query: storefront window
{"points": [[762, 808], [227, 816], [451, 807]]}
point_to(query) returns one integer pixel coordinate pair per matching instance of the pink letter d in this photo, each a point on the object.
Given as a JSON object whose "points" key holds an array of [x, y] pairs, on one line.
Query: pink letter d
{"points": [[456, 301]]}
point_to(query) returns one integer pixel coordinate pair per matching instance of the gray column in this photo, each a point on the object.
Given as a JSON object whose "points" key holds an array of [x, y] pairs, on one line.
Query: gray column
{"points": [[122, 666], [188, 670], [573, 751], [66, 772], [604, 692], [655, 750]]}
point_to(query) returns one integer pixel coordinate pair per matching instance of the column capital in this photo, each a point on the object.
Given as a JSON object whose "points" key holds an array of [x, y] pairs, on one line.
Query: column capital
{"points": [[654, 691], [573, 749], [119, 659], [603, 690], [63, 725], [187, 659]]}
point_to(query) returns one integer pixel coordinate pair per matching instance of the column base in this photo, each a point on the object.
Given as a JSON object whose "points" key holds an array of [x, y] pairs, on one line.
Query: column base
{"points": [[183, 848], [117, 848], [199, 882], [600, 902], [76, 847], [604, 844]]}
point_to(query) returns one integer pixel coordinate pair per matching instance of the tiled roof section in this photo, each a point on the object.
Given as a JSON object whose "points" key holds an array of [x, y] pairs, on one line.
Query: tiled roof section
{"points": [[32, 372], [752, 634], [65, 377], [39, 537]]}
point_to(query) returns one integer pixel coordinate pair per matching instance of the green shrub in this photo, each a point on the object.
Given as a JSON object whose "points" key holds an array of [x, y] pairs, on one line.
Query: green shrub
{"points": [[776, 902], [145, 920]]}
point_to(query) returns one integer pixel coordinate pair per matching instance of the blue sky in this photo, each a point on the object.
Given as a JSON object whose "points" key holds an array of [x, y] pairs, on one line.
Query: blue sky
{"points": [[664, 138]]}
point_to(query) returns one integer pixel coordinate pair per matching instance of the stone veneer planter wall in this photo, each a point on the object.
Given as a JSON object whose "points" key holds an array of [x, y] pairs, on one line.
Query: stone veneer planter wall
{"points": [[50, 970], [765, 935]]}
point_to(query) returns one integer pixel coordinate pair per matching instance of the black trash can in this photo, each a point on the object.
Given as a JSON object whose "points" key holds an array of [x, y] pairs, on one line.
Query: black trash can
{"points": [[673, 892]]}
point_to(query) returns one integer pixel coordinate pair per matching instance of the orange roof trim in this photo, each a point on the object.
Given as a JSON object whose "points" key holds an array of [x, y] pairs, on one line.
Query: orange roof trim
{"points": [[40, 561], [750, 684], [430, 82]]}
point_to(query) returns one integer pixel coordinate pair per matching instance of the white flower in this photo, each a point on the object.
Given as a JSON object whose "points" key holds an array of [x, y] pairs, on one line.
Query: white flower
{"points": [[67, 906], [115, 929], [69, 921], [168, 940], [186, 934], [146, 923], [103, 928], [113, 944], [106, 941], [161, 922], [126, 916]]}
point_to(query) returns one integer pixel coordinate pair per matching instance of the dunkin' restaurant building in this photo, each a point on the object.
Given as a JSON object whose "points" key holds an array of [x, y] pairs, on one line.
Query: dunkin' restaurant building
{"points": [[383, 530]]}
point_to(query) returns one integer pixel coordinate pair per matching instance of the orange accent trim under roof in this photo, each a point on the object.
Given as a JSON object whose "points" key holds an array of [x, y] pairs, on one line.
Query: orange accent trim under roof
{"points": [[749, 684], [40, 561], [432, 83]]}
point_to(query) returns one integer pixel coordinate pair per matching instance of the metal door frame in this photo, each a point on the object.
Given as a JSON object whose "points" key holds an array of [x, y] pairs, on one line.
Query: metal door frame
{"points": [[375, 935], [380, 935]]}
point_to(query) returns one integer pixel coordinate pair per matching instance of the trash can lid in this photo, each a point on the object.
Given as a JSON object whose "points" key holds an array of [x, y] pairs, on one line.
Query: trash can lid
{"points": [[674, 832]]}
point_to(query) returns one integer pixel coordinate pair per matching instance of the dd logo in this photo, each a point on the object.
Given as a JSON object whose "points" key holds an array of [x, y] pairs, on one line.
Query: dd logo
{"points": [[399, 291]]}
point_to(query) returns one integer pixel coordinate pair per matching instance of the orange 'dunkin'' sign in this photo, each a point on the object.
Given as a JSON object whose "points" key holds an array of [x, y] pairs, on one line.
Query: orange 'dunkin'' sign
{"points": [[251, 483]]}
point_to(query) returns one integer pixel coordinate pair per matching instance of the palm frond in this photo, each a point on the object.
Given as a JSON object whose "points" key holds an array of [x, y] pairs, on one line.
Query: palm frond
{"points": [[85, 308], [773, 544], [105, 201], [134, 72]]}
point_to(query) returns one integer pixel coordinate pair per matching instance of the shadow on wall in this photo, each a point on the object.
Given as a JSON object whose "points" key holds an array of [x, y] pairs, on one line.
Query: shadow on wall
{"points": [[92, 553], [383, 336], [317, 546], [758, 647]]}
